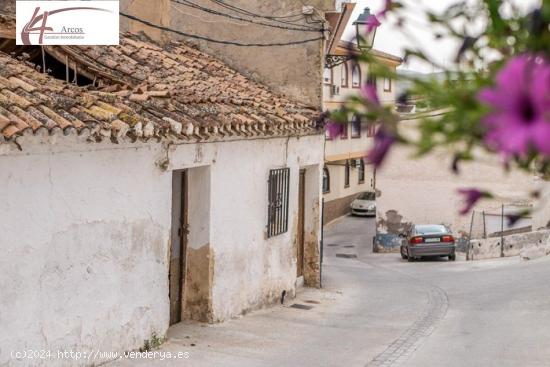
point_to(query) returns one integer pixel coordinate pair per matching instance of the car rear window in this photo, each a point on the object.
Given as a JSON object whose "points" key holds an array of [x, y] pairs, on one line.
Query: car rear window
{"points": [[429, 229], [367, 196]]}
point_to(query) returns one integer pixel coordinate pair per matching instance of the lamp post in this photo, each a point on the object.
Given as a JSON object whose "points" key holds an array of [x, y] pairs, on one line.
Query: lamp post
{"points": [[365, 32], [366, 24]]}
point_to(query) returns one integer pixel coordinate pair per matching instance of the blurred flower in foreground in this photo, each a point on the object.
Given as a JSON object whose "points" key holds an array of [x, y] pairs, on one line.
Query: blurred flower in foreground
{"points": [[387, 7], [334, 129], [382, 144], [372, 23], [471, 197], [368, 92], [520, 101]]}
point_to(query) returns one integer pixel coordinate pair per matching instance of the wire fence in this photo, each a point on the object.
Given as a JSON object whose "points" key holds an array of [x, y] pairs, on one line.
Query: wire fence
{"points": [[498, 222]]}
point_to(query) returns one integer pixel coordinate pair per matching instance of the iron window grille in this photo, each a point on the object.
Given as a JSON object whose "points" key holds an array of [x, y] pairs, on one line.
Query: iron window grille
{"points": [[277, 218]]}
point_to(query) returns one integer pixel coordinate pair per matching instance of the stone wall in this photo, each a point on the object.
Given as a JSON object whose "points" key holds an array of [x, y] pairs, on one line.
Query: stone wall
{"points": [[526, 245], [336, 208], [294, 70]]}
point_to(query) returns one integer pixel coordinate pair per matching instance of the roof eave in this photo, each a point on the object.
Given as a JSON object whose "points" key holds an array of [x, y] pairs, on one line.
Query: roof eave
{"points": [[339, 28]]}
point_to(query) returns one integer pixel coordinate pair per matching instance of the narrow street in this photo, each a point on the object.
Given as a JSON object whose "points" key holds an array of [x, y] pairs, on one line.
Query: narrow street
{"points": [[378, 310]]}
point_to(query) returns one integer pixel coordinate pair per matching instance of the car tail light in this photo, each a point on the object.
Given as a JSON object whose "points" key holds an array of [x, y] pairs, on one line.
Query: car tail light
{"points": [[447, 239], [416, 240]]}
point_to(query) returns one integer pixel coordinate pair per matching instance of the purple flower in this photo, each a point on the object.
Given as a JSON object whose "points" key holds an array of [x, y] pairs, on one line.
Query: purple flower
{"points": [[334, 129], [368, 91], [471, 197], [520, 101], [382, 144], [387, 7], [372, 23]]}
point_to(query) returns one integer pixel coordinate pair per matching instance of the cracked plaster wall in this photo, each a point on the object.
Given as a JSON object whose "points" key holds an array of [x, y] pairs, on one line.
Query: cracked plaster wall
{"points": [[85, 236]]}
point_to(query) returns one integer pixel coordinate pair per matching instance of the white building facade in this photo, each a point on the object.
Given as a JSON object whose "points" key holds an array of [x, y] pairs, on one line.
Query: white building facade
{"points": [[126, 209], [346, 174]]}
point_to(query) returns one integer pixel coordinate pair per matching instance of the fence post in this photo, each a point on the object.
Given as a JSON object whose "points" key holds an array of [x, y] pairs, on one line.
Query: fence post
{"points": [[502, 232], [484, 226], [468, 248]]}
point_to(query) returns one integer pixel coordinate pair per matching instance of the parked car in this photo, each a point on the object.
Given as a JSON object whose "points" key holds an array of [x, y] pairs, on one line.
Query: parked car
{"points": [[364, 204], [428, 240]]}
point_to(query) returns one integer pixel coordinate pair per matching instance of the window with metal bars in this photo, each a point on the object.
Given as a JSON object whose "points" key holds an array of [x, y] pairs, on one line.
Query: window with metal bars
{"points": [[277, 218]]}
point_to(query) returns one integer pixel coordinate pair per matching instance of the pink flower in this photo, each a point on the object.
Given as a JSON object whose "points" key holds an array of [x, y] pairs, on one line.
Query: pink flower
{"points": [[520, 104], [387, 7], [382, 144], [471, 197], [368, 92], [372, 23], [334, 129]]}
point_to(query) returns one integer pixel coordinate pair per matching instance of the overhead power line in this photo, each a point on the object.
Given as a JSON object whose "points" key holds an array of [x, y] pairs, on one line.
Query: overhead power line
{"points": [[204, 38], [249, 13], [287, 20], [277, 19], [302, 28]]}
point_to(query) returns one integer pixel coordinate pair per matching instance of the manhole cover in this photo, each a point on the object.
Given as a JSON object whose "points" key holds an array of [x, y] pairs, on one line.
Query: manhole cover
{"points": [[311, 301], [349, 246], [332, 245], [301, 307], [347, 256]]}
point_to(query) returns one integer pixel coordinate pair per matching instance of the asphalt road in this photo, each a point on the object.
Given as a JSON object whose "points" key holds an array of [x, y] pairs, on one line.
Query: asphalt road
{"points": [[378, 310], [482, 313]]}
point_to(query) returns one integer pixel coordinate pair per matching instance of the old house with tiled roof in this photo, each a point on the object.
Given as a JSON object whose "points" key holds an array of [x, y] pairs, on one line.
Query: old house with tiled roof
{"points": [[148, 183]]}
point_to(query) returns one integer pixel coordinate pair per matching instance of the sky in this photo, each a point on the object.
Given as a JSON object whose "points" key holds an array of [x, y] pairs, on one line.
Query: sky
{"points": [[393, 40]]}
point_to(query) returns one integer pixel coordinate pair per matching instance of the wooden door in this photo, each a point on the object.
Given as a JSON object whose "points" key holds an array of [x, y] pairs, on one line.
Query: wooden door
{"points": [[178, 247], [301, 224]]}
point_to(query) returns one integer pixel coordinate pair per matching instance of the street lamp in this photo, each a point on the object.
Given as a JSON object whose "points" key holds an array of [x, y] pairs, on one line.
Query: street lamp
{"points": [[365, 28]]}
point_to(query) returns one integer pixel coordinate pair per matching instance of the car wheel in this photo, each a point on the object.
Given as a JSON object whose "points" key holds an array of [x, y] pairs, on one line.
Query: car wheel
{"points": [[403, 256], [452, 257], [409, 257]]}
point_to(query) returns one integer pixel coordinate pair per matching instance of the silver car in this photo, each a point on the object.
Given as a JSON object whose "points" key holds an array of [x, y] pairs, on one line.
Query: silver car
{"points": [[428, 240], [364, 204]]}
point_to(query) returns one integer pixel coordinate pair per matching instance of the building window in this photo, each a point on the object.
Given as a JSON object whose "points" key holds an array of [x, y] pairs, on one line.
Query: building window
{"points": [[326, 180], [278, 186], [344, 75], [361, 171], [356, 76], [387, 84], [344, 134], [371, 130], [346, 175], [371, 80], [356, 127], [327, 76]]}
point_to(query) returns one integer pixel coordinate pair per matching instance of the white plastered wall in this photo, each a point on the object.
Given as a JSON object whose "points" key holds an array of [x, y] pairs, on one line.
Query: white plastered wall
{"points": [[86, 230]]}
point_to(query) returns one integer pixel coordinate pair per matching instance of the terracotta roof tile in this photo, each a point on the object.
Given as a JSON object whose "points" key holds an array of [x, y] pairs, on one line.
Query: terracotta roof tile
{"points": [[145, 91]]}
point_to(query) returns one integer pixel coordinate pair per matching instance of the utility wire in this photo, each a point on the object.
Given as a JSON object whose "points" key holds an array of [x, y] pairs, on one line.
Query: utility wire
{"points": [[163, 28], [273, 18], [303, 28], [249, 13]]}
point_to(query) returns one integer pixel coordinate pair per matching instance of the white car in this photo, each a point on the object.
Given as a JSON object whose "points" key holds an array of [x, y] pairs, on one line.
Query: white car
{"points": [[364, 204]]}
